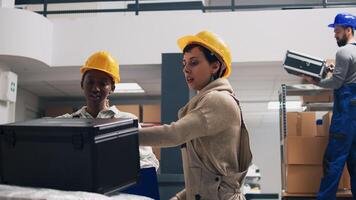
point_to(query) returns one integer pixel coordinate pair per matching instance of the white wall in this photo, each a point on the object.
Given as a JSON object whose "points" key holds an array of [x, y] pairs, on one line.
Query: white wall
{"points": [[7, 3], [26, 34], [27, 105], [257, 36], [265, 145], [251, 35]]}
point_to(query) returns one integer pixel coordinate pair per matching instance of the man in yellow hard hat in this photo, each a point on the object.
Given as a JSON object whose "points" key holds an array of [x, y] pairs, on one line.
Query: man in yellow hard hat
{"points": [[100, 74], [214, 140]]}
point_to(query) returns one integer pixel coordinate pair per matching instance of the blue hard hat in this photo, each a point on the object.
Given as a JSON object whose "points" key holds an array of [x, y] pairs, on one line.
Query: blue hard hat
{"points": [[344, 19]]}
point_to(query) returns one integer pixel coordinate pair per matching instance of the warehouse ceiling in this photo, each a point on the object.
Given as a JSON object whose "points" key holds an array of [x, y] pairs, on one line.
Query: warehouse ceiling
{"points": [[254, 81]]}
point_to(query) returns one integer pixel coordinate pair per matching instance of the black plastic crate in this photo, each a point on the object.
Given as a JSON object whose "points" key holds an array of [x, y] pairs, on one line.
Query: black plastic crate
{"points": [[98, 155]]}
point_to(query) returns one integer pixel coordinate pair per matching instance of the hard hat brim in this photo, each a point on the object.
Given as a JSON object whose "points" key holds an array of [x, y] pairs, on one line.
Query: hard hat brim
{"points": [[331, 25], [83, 69], [189, 39], [348, 25]]}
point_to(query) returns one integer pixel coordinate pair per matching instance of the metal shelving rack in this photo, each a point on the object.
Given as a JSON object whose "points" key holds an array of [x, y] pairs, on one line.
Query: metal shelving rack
{"points": [[299, 90]]}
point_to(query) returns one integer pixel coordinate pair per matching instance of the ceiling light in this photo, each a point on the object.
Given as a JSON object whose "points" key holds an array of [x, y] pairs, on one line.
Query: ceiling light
{"points": [[128, 88]]}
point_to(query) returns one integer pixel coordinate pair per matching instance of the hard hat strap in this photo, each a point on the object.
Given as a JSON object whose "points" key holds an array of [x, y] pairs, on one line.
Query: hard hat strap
{"points": [[221, 71], [223, 67]]}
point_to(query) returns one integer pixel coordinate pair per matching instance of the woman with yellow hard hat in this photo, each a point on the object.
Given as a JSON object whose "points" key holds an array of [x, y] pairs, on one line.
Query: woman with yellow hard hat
{"points": [[100, 74], [215, 145]]}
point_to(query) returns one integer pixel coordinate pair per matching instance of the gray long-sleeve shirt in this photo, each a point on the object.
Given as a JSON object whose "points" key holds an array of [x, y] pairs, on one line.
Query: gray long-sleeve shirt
{"points": [[345, 68]]}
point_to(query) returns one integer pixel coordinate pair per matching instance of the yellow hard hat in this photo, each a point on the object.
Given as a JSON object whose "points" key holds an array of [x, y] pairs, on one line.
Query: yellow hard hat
{"points": [[211, 41], [103, 61]]}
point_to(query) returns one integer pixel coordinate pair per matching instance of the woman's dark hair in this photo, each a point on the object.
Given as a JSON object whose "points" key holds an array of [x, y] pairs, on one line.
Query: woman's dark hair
{"points": [[209, 55], [111, 79]]}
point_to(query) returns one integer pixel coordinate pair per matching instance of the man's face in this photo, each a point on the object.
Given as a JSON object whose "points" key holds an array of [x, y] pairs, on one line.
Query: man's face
{"points": [[341, 35]]}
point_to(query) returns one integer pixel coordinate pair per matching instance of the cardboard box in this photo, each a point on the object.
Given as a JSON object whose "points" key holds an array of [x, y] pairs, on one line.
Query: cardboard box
{"points": [[320, 131], [151, 113], [308, 124], [345, 183], [328, 97], [133, 109], [303, 179], [305, 150], [58, 111], [301, 124], [326, 122], [292, 123]]}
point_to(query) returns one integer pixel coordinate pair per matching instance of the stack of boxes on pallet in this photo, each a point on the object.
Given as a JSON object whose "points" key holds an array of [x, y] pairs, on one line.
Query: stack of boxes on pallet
{"points": [[305, 145]]}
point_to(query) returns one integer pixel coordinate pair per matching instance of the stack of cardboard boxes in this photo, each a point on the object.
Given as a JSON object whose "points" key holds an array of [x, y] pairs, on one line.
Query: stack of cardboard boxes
{"points": [[55, 111], [133, 109], [305, 145]]}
